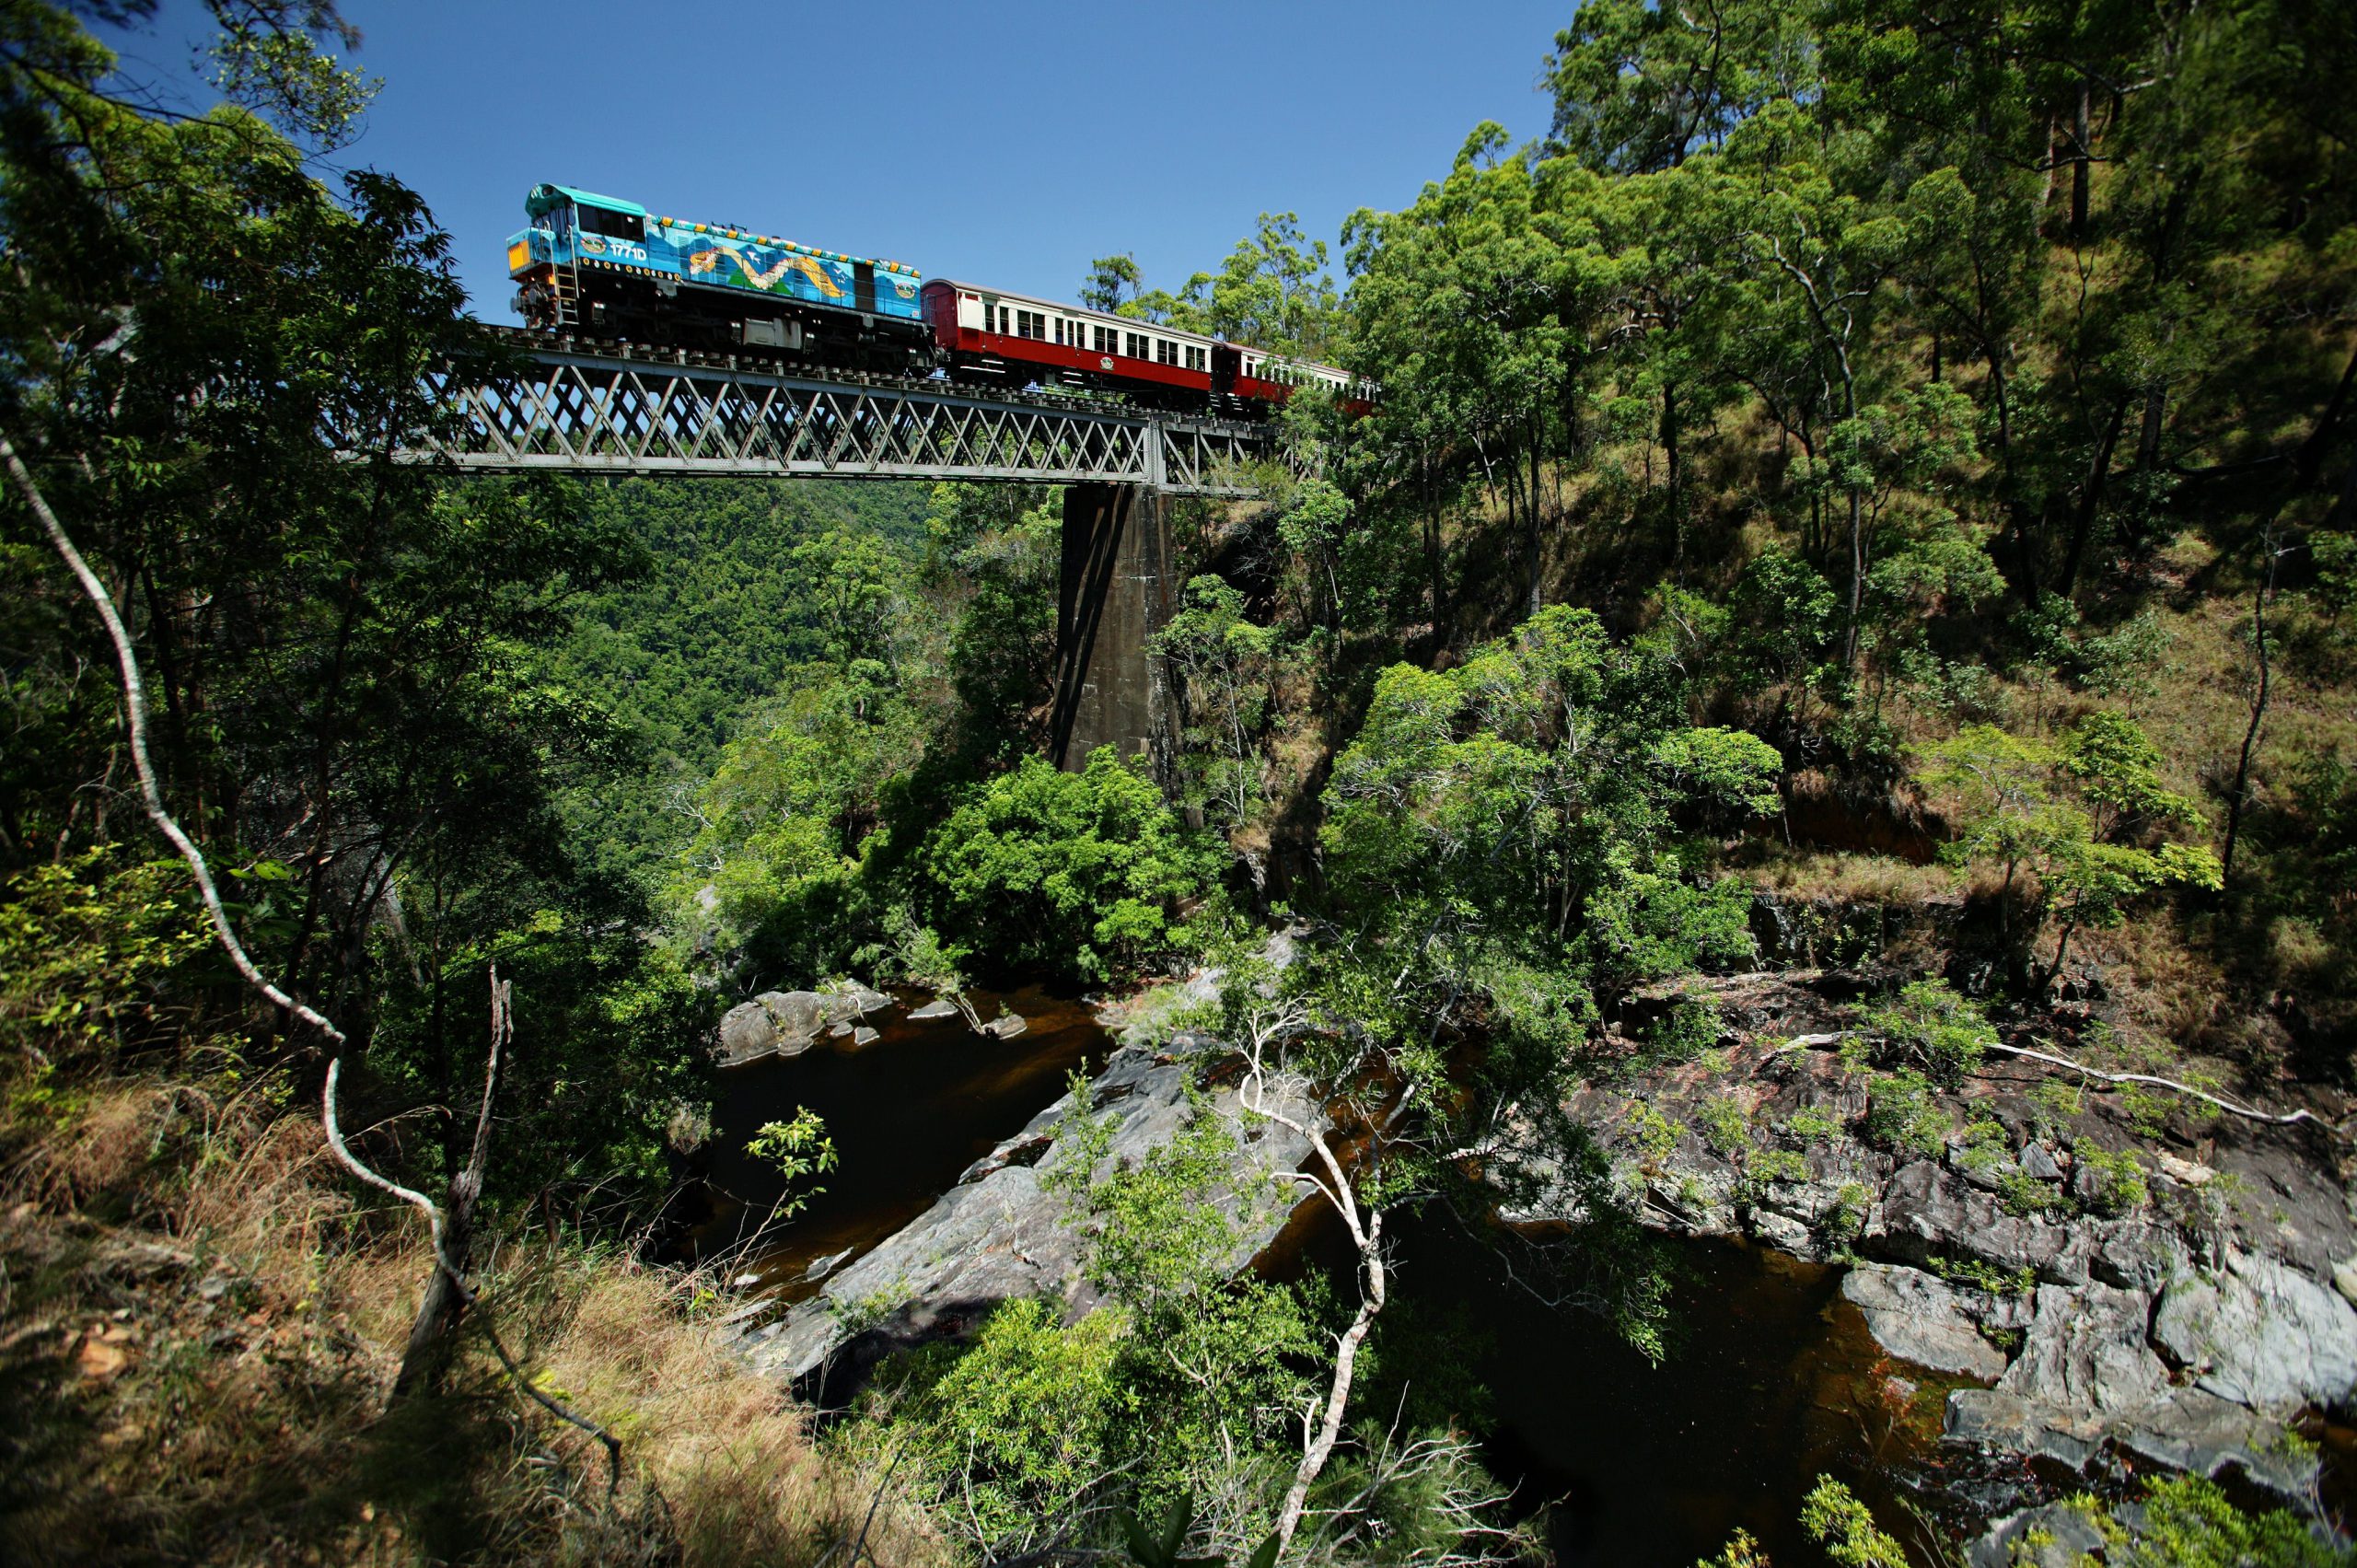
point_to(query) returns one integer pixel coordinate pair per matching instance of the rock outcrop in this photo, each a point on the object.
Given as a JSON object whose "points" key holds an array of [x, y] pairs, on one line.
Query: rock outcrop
{"points": [[2183, 1314], [1002, 1232]]}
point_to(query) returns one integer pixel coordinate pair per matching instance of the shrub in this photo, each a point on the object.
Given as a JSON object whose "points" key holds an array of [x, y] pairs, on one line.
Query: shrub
{"points": [[85, 949], [1690, 1027], [1073, 872], [1845, 1528], [2119, 1183], [1726, 1126], [2189, 1523], [1929, 1028], [1901, 1115], [1012, 1429]]}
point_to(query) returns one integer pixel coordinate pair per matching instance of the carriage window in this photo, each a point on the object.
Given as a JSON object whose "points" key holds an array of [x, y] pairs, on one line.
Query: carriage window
{"points": [[1138, 349], [1032, 324], [1108, 341], [1166, 351], [1195, 358]]}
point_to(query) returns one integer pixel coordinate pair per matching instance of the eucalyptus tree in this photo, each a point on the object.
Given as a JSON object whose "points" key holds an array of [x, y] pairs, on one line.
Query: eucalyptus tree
{"points": [[1640, 87], [1454, 300], [1272, 292]]}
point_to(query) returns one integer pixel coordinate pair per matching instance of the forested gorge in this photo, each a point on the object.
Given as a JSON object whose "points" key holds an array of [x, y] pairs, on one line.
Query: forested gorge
{"points": [[1816, 708]]}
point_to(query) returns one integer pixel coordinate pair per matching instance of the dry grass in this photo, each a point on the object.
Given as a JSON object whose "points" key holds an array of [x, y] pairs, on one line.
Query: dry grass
{"points": [[1809, 873], [199, 1326]]}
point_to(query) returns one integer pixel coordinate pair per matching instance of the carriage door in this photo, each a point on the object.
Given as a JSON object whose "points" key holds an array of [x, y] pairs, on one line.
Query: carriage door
{"points": [[863, 286], [1227, 361]]}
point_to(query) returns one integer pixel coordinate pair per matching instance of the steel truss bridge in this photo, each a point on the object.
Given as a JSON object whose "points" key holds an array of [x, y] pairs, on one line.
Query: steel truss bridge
{"points": [[615, 409]]}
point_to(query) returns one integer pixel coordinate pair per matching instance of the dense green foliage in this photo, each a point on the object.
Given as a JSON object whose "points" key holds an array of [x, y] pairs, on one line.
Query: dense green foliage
{"points": [[2190, 1522], [736, 593]]}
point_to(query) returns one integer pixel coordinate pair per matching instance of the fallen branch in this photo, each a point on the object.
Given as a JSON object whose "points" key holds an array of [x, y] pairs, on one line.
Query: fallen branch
{"points": [[2085, 1071], [2226, 1104]]}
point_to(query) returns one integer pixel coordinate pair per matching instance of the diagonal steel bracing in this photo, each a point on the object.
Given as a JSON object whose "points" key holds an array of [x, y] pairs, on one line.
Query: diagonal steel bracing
{"points": [[608, 410]]}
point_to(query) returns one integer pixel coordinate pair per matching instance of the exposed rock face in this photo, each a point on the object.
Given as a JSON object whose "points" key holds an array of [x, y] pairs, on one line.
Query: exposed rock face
{"points": [[2185, 1329], [2053, 1537], [2086, 1350], [2261, 1334], [1925, 1320], [1001, 1234]]}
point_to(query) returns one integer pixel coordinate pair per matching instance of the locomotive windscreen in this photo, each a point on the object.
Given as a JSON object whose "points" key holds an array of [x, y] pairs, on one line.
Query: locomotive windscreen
{"points": [[618, 226]]}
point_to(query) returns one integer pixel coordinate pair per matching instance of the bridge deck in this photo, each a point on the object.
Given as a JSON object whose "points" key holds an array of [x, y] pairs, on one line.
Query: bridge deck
{"points": [[606, 407]]}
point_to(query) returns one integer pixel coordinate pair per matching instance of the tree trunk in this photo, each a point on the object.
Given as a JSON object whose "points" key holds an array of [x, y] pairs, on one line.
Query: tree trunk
{"points": [[1319, 1447], [2083, 520], [2258, 711], [1434, 565], [2082, 133], [1538, 540], [428, 1352], [1677, 482]]}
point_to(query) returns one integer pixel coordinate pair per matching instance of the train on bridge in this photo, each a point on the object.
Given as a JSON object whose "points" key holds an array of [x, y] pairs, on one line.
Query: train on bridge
{"points": [[600, 267]]}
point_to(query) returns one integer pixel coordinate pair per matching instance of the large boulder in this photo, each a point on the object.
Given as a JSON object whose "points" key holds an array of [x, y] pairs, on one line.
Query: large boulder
{"points": [[798, 1014], [746, 1034], [1917, 1318], [1001, 1233], [2260, 1333], [2085, 1353]]}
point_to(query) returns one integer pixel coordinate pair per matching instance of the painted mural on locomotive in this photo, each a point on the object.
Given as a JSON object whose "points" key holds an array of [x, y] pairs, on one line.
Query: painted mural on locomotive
{"points": [[581, 226]]}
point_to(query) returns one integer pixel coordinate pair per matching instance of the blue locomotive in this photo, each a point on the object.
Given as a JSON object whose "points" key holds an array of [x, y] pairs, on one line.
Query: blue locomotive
{"points": [[608, 268]]}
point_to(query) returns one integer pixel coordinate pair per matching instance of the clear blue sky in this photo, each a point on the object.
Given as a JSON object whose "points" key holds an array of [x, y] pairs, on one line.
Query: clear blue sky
{"points": [[1006, 143]]}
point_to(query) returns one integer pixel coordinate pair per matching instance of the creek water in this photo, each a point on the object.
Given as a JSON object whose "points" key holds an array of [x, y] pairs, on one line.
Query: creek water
{"points": [[1772, 1379], [907, 1112]]}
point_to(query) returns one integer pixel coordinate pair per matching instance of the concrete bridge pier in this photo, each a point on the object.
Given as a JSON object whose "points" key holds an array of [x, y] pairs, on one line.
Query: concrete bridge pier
{"points": [[1117, 592]]}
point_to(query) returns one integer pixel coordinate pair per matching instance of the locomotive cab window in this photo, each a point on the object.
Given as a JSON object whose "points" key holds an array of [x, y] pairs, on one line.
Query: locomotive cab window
{"points": [[613, 224]]}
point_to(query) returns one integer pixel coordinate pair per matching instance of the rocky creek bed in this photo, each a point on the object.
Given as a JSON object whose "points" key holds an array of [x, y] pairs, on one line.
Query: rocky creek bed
{"points": [[2192, 1324], [999, 1232], [1979, 1280]]}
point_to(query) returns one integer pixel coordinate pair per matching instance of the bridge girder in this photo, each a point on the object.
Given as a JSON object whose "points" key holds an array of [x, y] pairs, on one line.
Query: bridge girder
{"points": [[660, 412]]}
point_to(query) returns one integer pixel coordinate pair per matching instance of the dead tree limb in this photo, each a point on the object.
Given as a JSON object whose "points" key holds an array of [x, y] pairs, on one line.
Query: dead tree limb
{"points": [[446, 1297], [1366, 1227], [2098, 1075], [2226, 1104], [135, 705]]}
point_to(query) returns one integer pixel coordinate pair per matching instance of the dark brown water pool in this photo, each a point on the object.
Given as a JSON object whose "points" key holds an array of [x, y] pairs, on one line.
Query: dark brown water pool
{"points": [[1772, 1380], [907, 1112]]}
